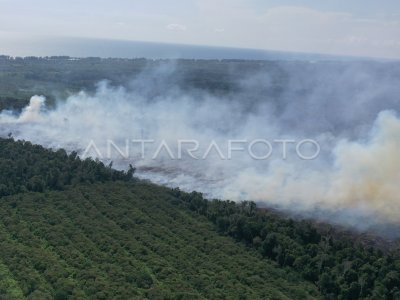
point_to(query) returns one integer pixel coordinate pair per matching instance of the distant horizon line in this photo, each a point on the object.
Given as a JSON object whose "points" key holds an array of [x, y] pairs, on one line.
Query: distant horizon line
{"points": [[243, 53]]}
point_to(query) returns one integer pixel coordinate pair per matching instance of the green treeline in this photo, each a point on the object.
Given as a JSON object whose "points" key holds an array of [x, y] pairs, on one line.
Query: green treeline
{"points": [[26, 167], [339, 268]]}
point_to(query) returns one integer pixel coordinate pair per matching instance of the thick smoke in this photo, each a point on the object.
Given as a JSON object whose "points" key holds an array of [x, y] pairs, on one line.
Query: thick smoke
{"points": [[350, 110], [31, 113]]}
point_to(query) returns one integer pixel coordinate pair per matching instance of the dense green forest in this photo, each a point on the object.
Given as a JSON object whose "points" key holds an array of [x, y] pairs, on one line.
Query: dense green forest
{"points": [[339, 268], [26, 167], [77, 229], [101, 234], [58, 77]]}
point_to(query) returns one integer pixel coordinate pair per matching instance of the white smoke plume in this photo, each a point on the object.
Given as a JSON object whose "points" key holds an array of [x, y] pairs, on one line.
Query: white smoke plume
{"points": [[31, 113], [351, 112]]}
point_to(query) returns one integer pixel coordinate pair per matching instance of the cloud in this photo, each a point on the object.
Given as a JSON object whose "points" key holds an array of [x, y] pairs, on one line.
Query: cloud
{"points": [[176, 27], [219, 30]]}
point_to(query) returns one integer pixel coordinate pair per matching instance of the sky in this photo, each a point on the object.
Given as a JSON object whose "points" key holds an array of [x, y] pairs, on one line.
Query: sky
{"points": [[357, 27]]}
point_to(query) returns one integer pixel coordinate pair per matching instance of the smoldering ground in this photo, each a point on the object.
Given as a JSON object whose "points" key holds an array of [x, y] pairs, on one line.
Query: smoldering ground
{"points": [[350, 108]]}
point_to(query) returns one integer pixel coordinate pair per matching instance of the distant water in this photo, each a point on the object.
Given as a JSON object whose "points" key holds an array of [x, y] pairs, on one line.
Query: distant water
{"points": [[80, 47]]}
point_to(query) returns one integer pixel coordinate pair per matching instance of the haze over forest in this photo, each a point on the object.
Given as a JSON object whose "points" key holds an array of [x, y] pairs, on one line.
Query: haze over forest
{"points": [[200, 149]]}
